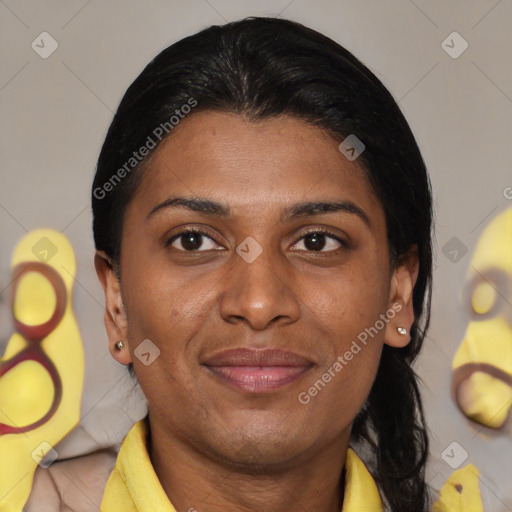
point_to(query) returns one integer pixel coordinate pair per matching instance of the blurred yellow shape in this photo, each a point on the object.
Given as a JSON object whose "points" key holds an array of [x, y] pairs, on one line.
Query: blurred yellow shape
{"points": [[26, 394], [62, 346], [35, 299], [485, 399], [483, 298], [461, 492]]}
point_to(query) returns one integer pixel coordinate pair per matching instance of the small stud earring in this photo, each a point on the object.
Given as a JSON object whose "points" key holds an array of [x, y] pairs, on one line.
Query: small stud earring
{"points": [[401, 330], [119, 345]]}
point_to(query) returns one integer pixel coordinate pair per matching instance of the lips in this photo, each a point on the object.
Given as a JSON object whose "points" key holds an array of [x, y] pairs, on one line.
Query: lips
{"points": [[257, 370]]}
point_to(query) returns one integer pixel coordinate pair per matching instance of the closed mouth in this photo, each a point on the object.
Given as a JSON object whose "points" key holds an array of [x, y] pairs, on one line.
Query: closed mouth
{"points": [[257, 370]]}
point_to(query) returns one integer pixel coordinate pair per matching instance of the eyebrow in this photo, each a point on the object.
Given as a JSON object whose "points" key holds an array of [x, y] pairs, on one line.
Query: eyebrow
{"points": [[195, 204], [319, 207], [304, 209]]}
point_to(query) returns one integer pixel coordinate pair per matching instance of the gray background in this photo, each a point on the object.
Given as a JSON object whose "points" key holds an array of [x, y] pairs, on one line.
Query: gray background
{"points": [[55, 113]]}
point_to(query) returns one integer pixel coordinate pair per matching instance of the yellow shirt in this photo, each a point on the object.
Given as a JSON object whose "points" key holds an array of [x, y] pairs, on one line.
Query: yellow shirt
{"points": [[133, 485]]}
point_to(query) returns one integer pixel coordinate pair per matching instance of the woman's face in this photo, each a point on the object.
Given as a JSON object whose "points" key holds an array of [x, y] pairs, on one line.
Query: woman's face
{"points": [[246, 316]]}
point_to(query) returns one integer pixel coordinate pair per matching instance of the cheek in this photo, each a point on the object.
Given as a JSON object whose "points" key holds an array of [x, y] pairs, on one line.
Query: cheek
{"points": [[347, 311], [332, 406], [169, 311], [339, 390], [157, 302], [352, 302]]}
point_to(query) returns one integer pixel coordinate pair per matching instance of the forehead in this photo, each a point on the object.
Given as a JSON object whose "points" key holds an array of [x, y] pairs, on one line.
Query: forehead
{"points": [[252, 164]]}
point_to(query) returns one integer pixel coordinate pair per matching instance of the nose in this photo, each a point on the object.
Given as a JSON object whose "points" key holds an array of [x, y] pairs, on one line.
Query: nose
{"points": [[259, 293]]}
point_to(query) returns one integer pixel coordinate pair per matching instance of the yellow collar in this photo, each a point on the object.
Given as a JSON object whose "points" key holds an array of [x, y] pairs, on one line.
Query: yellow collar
{"points": [[133, 485]]}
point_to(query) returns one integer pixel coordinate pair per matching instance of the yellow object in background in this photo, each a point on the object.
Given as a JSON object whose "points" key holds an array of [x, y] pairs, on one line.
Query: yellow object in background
{"points": [[482, 366], [461, 492], [42, 370]]}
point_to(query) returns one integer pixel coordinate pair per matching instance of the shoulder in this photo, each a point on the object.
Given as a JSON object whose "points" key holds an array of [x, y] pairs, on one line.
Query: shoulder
{"points": [[74, 485]]}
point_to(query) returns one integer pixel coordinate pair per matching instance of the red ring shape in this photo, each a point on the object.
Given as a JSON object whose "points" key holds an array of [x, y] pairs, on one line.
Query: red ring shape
{"points": [[38, 332], [34, 353]]}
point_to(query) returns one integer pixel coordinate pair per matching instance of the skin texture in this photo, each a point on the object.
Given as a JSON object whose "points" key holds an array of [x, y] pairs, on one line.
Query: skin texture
{"points": [[216, 447]]}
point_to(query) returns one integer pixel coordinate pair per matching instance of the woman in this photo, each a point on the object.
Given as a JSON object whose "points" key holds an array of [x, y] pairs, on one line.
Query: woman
{"points": [[262, 219], [244, 250]]}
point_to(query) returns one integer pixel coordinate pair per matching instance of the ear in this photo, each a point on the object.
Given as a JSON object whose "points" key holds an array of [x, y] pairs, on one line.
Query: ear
{"points": [[403, 280], [115, 315]]}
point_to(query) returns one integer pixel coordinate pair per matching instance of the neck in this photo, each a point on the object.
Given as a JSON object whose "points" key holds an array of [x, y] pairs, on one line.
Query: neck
{"points": [[196, 480]]}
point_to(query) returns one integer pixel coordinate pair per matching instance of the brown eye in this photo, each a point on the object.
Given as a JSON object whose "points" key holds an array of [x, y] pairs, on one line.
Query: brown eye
{"points": [[192, 240], [315, 241], [319, 241]]}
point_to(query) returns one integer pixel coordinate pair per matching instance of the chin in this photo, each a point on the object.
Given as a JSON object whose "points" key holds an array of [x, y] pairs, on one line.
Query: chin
{"points": [[260, 446], [260, 457]]}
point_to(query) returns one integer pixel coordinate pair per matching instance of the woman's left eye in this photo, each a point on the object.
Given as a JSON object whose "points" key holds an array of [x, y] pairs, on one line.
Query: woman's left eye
{"points": [[320, 241], [192, 240]]}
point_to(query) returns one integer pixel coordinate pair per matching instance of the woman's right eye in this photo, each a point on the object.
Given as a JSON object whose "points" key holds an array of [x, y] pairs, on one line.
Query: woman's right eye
{"points": [[192, 240]]}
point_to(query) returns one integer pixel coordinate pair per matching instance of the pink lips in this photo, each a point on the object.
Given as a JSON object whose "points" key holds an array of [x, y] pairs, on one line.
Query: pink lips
{"points": [[258, 370]]}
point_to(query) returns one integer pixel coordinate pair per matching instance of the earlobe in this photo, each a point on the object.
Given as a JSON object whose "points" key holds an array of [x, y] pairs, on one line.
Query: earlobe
{"points": [[404, 278], [115, 315], [398, 329], [119, 351]]}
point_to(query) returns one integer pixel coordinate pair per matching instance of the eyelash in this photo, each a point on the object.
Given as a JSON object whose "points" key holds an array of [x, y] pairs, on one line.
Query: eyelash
{"points": [[324, 231]]}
